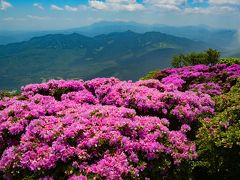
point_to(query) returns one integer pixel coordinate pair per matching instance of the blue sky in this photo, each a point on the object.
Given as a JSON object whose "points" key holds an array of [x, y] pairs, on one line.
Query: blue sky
{"points": [[63, 14]]}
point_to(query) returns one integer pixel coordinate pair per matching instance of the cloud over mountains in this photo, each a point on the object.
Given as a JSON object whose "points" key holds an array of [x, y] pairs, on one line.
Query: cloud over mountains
{"points": [[73, 13]]}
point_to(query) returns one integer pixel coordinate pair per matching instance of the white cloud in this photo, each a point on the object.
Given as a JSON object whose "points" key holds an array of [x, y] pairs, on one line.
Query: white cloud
{"points": [[119, 5], [13, 19], [221, 2], [38, 17], [181, 6], [98, 5], [39, 6], [215, 7], [172, 5], [184, 6], [210, 10], [5, 5], [8, 19], [199, 1], [56, 8], [134, 7], [165, 2], [70, 8]]}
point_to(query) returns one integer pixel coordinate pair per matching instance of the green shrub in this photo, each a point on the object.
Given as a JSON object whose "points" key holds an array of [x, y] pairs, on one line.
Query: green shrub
{"points": [[229, 61], [218, 140], [5, 93], [150, 75]]}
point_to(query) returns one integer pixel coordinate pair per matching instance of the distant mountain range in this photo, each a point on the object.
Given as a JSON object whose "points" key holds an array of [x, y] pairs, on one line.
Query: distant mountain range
{"points": [[127, 55], [220, 38], [233, 53]]}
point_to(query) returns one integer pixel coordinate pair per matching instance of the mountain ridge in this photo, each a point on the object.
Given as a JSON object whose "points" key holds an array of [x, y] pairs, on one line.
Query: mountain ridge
{"points": [[220, 38], [128, 55]]}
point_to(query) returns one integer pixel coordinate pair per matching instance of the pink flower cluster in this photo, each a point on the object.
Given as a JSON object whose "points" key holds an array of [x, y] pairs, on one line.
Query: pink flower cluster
{"points": [[103, 128], [213, 80], [49, 87], [181, 106], [211, 88]]}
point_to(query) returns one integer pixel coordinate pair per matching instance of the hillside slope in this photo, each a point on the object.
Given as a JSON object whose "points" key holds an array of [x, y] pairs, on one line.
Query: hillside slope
{"points": [[127, 55]]}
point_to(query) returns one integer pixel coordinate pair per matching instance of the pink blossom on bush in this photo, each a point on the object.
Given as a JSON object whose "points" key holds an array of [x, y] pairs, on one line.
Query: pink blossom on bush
{"points": [[106, 128]]}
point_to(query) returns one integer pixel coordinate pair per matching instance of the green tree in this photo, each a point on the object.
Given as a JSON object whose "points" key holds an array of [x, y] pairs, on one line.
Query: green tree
{"points": [[179, 61], [209, 57], [212, 56]]}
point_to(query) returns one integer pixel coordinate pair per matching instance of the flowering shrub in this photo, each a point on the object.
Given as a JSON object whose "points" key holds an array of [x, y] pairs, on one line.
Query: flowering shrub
{"points": [[213, 80], [110, 129], [211, 88], [53, 87], [176, 106], [101, 128]]}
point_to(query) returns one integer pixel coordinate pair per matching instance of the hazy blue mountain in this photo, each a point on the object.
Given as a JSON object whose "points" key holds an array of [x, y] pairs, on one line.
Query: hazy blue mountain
{"points": [[236, 54], [233, 53], [7, 37], [127, 55], [220, 38], [225, 38]]}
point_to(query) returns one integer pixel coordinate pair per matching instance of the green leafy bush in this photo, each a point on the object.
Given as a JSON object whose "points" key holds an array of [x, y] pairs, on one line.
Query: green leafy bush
{"points": [[229, 61], [218, 140], [150, 75], [5, 93]]}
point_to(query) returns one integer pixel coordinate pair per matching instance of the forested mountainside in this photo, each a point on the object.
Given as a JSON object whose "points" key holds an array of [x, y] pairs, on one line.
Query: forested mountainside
{"points": [[126, 55]]}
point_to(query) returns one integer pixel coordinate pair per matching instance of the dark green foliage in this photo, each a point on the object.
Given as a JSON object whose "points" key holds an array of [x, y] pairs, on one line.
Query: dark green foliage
{"points": [[212, 57], [5, 93], [59, 92], [218, 139], [229, 61], [209, 57], [150, 75]]}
